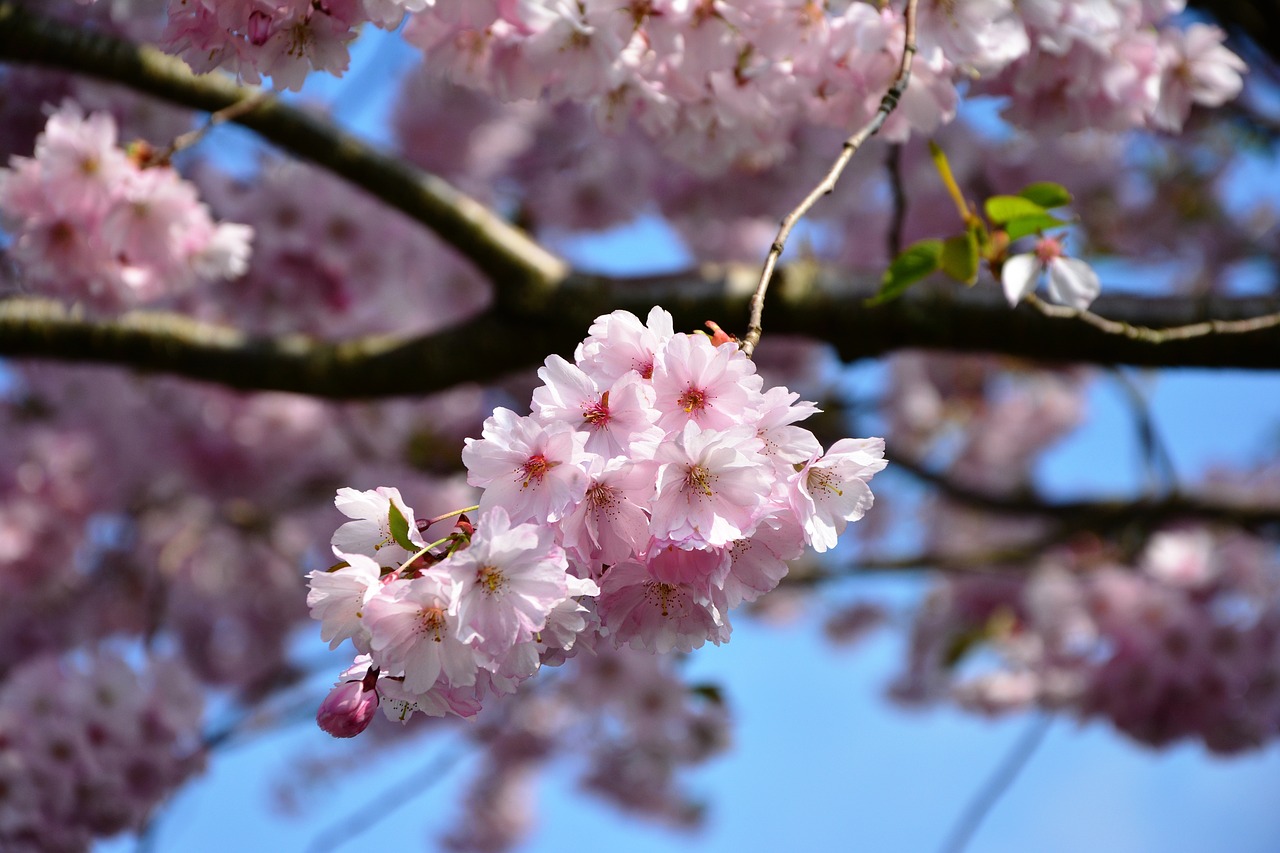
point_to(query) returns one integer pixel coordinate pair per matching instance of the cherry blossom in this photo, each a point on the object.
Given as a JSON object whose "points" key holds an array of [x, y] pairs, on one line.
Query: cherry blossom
{"points": [[337, 598], [1071, 281], [832, 491], [89, 222], [531, 469], [414, 631], [508, 581], [710, 485], [369, 532]]}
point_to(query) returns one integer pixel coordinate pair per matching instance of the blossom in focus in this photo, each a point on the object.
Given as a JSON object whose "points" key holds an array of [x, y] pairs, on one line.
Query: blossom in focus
{"points": [[369, 531], [337, 600], [508, 581], [531, 469], [655, 487], [833, 490], [414, 631]]}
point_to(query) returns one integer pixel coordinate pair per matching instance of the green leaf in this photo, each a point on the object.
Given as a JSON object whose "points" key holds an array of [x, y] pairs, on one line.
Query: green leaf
{"points": [[916, 261], [1024, 225], [400, 528], [960, 257], [1046, 194], [1004, 208]]}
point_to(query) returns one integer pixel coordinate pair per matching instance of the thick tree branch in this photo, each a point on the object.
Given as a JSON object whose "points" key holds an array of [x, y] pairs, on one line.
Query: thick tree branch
{"points": [[508, 256], [807, 301]]}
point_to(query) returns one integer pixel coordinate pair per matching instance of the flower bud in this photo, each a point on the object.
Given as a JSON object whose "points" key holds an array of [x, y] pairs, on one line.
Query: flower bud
{"points": [[347, 710]]}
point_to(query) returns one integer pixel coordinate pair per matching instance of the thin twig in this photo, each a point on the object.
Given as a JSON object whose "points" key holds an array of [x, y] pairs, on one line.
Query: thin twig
{"points": [[385, 803], [1155, 451], [851, 145], [222, 116], [1156, 336], [995, 787]]}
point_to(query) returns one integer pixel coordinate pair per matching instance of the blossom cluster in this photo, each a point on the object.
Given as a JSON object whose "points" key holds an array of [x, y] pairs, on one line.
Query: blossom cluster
{"points": [[285, 39], [90, 747], [716, 81], [655, 486], [1184, 647], [94, 223]]}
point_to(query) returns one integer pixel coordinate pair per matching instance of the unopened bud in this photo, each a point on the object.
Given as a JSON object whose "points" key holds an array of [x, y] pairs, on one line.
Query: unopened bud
{"points": [[347, 710], [718, 335]]}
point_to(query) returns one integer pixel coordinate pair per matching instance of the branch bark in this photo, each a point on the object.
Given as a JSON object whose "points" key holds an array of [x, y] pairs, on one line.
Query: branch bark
{"points": [[542, 307], [807, 301]]}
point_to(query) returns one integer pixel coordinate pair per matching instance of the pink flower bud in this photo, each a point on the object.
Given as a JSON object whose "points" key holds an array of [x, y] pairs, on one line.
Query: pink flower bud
{"points": [[347, 710], [259, 28]]}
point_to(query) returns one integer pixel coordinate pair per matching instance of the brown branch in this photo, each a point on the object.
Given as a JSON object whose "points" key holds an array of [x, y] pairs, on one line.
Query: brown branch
{"points": [[1152, 336], [828, 183], [517, 265], [365, 367], [807, 301], [1094, 515]]}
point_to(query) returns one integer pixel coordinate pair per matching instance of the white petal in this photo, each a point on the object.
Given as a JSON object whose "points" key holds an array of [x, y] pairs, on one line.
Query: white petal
{"points": [[1073, 282], [1019, 276]]}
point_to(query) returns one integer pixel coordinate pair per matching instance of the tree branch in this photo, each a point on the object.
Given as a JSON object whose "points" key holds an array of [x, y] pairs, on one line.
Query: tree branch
{"points": [[1100, 516], [807, 301], [506, 255]]}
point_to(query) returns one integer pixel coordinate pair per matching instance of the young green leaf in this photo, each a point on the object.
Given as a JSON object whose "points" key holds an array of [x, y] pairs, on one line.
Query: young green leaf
{"points": [[959, 257], [400, 528], [1005, 208], [916, 261], [1024, 225], [1046, 194]]}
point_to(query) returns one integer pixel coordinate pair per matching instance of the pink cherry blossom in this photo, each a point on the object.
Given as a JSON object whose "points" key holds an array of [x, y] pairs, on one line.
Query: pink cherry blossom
{"points": [[532, 470], [695, 381], [507, 582], [611, 524], [413, 627], [1198, 70], [711, 486], [833, 490], [619, 343], [337, 600], [759, 562], [648, 614], [615, 418], [369, 531]]}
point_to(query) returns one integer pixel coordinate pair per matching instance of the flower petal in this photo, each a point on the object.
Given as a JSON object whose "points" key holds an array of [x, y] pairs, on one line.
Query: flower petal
{"points": [[1019, 277], [1073, 282]]}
